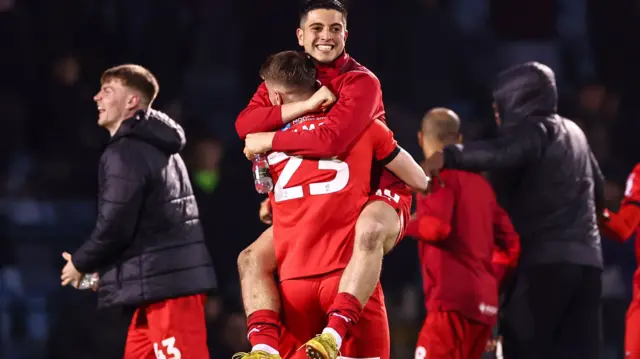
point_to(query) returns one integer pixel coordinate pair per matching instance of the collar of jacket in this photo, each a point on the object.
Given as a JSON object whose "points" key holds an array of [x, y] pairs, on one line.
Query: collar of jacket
{"points": [[331, 70], [128, 125], [153, 127]]}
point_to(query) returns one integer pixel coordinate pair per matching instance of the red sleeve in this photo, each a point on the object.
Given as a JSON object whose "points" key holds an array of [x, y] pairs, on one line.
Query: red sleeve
{"points": [[359, 101], [619, 226], [259, 115], [384, 145], [433, 220], [507, 251]]}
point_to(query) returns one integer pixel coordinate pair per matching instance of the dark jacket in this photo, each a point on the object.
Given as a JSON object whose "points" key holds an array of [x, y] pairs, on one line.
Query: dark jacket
{"points": [[542, 168], [148, 243]]}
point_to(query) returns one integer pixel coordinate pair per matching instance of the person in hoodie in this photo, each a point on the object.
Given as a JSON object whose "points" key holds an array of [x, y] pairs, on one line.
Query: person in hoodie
{"points": [[547, 179], [148, 245]]}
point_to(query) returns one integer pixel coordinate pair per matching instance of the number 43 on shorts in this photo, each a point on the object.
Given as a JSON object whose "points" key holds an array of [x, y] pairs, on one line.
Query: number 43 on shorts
{"points": [[168, 347]]}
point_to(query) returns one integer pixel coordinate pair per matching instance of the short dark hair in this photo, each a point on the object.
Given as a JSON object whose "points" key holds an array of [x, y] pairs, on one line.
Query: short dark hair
{"points": [[135, 77], [290, 68], [310, 5]]}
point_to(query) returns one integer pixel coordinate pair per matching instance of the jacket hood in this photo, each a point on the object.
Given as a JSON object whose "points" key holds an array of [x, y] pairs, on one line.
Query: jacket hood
{"points": [[525, 91], [155, 128]]}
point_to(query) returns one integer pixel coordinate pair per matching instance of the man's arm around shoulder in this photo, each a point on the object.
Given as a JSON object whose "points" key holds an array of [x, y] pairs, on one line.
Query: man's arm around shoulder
{"points": [[120, 199], [358, 103], [262, 116], [259, 115], [509, 150]]}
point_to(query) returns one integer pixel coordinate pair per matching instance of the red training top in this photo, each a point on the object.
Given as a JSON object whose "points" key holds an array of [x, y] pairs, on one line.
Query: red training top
{"points": [[459, 226]]}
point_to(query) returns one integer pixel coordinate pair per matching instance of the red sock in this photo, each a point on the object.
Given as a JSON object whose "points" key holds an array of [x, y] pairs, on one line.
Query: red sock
{"points": [[344, 313], [264, 328]]}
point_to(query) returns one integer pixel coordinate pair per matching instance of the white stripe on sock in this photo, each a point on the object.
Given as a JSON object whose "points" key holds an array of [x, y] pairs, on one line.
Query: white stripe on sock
{"points": [[265, 348], [342, 317]]}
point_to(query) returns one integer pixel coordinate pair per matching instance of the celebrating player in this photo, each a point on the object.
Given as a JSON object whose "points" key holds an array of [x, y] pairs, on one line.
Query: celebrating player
{"points": [[148, 244], [381, 224], [620, 226], [316, 204], [458, 226]]}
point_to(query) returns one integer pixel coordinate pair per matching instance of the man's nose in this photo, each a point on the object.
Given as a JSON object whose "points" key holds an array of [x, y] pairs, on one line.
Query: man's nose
{"points": [[325, 34]]}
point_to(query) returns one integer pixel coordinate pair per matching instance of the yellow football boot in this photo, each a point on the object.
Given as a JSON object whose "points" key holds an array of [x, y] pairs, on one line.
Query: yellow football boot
{"points": [[257, 354], [323, 346]]}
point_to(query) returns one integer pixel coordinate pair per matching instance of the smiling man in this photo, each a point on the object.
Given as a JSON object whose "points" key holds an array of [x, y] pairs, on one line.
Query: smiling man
{"points": [[147, 244], [382, 222]]}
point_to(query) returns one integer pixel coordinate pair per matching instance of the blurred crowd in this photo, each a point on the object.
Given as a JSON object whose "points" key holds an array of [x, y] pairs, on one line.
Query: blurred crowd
{"points": [[206, 55]]}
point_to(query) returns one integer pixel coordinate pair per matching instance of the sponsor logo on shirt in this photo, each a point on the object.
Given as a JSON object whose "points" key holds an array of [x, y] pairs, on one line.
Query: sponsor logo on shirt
{"points": [[489, 310], [304, 119]]}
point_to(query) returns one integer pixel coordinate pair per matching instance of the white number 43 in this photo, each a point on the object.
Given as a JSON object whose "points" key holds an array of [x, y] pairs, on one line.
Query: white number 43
{"points": [[171, 350], [284, 194]]}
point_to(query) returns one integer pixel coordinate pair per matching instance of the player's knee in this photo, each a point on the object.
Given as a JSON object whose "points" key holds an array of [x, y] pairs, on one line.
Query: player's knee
{"points": [[370, 236], [377, 226]]}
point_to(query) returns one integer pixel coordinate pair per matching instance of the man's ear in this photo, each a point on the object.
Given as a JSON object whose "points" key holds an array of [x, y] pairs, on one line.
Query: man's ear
{"points": [[277, 99], [300, 36], [133, 101], [420, 138]]}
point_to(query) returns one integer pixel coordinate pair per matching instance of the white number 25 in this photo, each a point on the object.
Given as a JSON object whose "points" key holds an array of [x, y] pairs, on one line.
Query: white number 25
{"points": [[284, 194]]}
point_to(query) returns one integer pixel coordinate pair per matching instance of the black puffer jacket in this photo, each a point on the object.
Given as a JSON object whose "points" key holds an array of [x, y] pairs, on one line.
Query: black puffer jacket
{"points": [[148, 243], [543, 170]]}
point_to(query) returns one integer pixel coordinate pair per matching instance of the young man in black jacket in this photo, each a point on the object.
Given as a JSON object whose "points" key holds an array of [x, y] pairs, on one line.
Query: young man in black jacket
{"points": [[548, 181], [148, 245]]}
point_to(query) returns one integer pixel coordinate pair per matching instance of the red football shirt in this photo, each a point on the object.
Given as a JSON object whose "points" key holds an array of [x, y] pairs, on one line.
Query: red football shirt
{"points": [[316, 203], [359, 104], [620, 226], [458, 226]]}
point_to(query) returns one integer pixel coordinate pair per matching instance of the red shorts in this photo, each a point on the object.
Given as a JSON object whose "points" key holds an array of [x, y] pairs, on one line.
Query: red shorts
{"points": [[450, 335], [632, 331], [400, 201], [172, 329], [305, 303]]}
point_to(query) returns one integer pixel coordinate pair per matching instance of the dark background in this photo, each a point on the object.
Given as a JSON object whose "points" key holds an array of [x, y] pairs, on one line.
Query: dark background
{"points": [[206, 55]]}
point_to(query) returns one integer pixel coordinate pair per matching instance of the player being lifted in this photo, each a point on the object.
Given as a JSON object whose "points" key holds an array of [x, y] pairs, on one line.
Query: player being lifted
{"points": [[316, 204], [383, 219]]}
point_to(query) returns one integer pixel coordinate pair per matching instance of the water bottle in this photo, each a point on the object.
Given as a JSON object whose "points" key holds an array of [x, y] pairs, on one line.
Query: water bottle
{"points": [[261, 174], [89, 281]]}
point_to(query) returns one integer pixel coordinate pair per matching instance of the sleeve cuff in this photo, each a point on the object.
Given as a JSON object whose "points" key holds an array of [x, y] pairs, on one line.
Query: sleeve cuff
{"points": [[80, 262], [390, 157]]}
